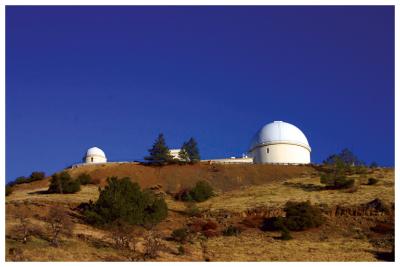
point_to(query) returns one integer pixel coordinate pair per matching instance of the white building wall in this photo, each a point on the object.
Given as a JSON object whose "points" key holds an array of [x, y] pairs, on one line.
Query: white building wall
{"points": [[175, 153], [95, 159], [281, 154], [230, 161]]}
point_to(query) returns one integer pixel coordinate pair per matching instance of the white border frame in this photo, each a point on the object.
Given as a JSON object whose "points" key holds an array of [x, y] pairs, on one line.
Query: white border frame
{"points": [[184, 2]]}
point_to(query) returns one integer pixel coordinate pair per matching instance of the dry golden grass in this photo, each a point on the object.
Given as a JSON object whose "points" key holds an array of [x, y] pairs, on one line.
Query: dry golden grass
{"points": [[258, 246], [276, 194], [69, 250], [88, 192]]}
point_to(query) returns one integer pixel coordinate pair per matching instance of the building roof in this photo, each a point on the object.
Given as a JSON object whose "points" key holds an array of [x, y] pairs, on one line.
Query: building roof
{"points": [[95, 151], [279, 132]]}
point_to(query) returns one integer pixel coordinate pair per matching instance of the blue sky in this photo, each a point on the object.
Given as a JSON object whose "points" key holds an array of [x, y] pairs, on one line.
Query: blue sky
{"points": [[115, 77]]}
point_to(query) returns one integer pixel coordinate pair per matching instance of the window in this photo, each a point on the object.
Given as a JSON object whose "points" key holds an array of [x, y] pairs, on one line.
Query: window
{"points": [[267, 150]]}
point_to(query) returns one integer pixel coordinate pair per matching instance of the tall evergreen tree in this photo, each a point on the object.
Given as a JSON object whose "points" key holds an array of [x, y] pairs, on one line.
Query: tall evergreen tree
{"points": [[159, 153], [183, 154], [190, 151]]}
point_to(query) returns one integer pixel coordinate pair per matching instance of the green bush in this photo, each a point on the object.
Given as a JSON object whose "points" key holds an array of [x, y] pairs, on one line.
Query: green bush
{"points": [[285, 234], [123, 200], [180, 235], [201, 191], [273, 224], [93, 218], [231, 231], [302, 215], [85, 179], [372, 181], [63, 183], [8, 190], [183, 195], [36, 176], [336, 181], [21, 180]]}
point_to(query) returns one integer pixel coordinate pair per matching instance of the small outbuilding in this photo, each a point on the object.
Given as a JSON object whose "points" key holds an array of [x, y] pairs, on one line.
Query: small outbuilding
{"points": [[280, 142]]}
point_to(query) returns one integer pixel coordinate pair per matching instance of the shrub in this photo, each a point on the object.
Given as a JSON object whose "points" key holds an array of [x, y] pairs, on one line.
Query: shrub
{"points": [[192, 210], [92, 217], [62, 183], [23, 230], [273, 224], [196, 226], [123, 235], [35, 176], [123, 200], [183, 195], [372, 181], [302, 215], [383, 228], [210, 233], [152, 245], [201, 191], [59, 224], [377, 205], [231, 231], [8, 190], [204, 226], [21, 180], [336, 181], [285, 234], [210, 225], [180, 235], [181, 250], [85, 179]]}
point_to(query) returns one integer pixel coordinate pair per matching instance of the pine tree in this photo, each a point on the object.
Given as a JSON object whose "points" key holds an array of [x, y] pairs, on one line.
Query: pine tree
{"points": [[159, 153], [183, 154], [192, 150]]}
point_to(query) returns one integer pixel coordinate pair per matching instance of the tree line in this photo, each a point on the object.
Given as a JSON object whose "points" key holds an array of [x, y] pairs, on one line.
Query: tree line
{"points": [[160, 154]]}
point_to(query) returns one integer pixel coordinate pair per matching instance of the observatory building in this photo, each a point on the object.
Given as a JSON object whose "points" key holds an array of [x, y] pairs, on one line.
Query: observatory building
{"points": [[95, 155], [280, 143], [277, 142]]}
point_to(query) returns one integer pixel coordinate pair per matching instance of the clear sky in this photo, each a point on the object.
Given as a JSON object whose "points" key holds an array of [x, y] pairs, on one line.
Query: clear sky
{"points": [[115, 77]]}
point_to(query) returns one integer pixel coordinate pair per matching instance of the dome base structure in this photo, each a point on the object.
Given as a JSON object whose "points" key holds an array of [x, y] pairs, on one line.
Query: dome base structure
{"points": [[280, 143], [281, 154]]}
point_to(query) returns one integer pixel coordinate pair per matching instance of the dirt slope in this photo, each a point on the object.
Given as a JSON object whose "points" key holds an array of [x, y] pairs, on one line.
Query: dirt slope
{"points": [[174, 177]]}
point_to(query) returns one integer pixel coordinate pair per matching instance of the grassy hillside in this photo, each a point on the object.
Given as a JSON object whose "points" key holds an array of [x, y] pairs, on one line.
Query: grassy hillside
{"points": [[240, 188]]}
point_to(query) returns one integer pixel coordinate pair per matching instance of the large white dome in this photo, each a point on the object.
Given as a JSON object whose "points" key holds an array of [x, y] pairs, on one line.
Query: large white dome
{"points": [[95, 151], [279, 132]]}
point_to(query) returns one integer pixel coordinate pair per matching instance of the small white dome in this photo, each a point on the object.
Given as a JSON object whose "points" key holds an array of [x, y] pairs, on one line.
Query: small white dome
{"points": [[279, 132], [95, 151]]}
